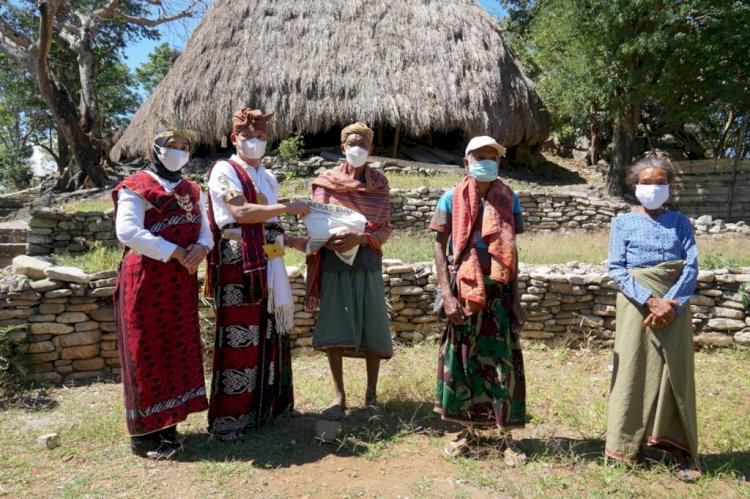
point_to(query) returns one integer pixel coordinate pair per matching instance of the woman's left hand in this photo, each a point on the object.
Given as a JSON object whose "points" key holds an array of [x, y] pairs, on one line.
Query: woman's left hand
{"points": [[195, 255], [518, 317], [346, 240]]}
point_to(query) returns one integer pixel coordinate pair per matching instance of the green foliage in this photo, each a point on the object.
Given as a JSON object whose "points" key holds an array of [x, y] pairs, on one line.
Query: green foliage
{"points": [[292, 148], [12, 362], [151, 72], [713, 261], [98, 258]]}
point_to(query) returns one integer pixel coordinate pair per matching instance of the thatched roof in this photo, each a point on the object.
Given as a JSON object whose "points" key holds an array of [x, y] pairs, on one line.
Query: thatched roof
{"points": [[428, 65]]}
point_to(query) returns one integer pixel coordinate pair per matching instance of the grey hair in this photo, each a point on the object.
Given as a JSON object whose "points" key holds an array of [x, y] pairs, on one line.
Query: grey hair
{"points": [[631, 177]]}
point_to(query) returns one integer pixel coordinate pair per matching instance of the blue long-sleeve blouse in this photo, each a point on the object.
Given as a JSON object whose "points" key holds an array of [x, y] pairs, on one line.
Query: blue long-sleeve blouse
{"points": [[638, 241]]}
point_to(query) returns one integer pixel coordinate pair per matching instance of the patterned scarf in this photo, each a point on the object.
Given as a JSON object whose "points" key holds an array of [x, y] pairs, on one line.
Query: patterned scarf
{"points": [[370, 198], [497, 231], [253, 238]]}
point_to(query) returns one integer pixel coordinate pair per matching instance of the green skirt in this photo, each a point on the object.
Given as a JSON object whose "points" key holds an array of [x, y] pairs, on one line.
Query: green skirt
{"points": [[480, 379], [353, 314], [652, 401]]}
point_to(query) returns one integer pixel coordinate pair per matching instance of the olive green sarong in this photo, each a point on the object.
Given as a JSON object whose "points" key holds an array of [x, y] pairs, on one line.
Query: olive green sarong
{"points": [[652, 400]]}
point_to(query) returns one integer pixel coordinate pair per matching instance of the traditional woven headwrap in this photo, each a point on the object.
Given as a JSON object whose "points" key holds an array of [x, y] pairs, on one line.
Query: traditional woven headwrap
{"points": [[360, 129], [252, 119], [166, 131]]}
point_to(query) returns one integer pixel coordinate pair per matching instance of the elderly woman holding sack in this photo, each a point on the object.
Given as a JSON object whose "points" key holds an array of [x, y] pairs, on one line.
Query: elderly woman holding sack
{"points": [[353, 320], [654, 261], [481, 382], [160, 218]]}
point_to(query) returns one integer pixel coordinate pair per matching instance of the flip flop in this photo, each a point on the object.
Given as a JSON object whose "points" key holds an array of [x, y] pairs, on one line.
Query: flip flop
{"points": [[687, 474], [514, 458], [333, 413]]}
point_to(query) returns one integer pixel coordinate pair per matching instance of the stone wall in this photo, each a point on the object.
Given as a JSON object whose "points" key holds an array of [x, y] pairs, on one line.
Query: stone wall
{"points": [[52, 230], [69, 332]]}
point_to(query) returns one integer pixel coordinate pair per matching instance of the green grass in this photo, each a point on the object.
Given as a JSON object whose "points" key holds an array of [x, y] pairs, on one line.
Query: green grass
{"points": [[541, 248], [398, 455], [301, 187], [100, 203], [97, 259]]}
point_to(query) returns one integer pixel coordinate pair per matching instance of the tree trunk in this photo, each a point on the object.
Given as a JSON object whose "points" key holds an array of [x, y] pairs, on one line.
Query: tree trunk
{"points": [[594, 132], [624, 132]]}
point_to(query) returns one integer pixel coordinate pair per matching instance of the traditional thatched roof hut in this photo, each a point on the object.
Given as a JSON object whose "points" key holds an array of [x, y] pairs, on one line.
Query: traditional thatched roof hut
{"points": [[417, 67]]}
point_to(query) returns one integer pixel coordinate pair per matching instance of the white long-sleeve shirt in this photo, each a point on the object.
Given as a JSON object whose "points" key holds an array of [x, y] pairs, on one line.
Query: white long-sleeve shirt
{"points": [[224, 180], [130, 230]]}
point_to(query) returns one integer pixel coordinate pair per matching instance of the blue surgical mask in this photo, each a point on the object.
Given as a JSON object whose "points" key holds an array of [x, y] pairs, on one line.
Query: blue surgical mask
{"points": [[484, 170]]}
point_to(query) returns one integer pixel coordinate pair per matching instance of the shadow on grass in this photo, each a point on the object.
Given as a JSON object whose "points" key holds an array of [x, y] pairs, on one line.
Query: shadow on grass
{"points": [[548, 173], [736, 464], [291, 441]]}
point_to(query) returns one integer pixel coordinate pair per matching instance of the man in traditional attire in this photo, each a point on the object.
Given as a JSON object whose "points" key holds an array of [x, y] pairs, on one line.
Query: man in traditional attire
{"points": [[252, 370]]}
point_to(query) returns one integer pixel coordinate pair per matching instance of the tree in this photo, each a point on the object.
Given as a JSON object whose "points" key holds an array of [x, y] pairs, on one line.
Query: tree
{"points": [[37, 36], [151, 72], [602, 62]]}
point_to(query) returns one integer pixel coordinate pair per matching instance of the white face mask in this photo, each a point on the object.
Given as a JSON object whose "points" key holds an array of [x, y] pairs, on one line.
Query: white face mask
{"points": [[252, 148], [172, 159], [356, 156], [652, 196]]}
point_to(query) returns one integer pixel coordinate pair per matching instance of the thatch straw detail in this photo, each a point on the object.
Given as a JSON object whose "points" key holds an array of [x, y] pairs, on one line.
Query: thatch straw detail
{"points": [[427, 65]]}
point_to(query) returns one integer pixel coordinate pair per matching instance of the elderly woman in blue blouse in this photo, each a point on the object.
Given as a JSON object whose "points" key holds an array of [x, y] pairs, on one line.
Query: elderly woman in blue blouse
{"points": [[654, 261]]}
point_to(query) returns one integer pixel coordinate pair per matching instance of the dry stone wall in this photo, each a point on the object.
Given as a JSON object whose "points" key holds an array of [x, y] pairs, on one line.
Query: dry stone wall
{"points": [[66, 327], [52, 230]]}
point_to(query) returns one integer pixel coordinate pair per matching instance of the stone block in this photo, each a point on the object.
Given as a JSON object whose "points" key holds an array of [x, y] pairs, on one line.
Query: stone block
{"points": [[81, 307], [94, 364], [729, 313], [86, 326], [72, 317], [44, 285], [52, 378], [78, 339], [604, 310], [50, 328], [721, 324], [58, 293], [51, 308], [41, 347], [48, 441], [704, 301], [109, 327], [113, 354], [105, 292], [717, 340], [67, 274], [80, 352]]}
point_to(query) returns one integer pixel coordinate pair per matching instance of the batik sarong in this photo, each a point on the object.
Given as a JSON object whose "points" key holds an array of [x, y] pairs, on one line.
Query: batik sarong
{"points": [[480, 376]]}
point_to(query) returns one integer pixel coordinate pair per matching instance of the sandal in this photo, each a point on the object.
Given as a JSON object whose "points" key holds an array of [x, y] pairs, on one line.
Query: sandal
{"points": [[461, 445], [687, 474], [514, 458], [373, 412], [165, 451], [231, 437], [333, 413]]}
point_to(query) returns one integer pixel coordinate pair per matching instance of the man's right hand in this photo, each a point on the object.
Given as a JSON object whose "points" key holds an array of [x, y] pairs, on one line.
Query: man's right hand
{"points": [[297, 208], [453, 311]]}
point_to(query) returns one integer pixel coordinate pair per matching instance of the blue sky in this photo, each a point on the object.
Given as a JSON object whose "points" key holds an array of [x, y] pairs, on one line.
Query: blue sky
{"points": [[177, 36]]}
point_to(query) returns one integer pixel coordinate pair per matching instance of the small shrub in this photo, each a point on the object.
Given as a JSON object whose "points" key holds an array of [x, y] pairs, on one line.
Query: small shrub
{"points": [[99, 257], [713, 261], [12, 362], [292, 147]]}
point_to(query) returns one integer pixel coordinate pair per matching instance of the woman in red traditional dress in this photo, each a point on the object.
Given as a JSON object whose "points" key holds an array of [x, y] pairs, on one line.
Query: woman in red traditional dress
{"points": [[161, 219], [252, 370]]}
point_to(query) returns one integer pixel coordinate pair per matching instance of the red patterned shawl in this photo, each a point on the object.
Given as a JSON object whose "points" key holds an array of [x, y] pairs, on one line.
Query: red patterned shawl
{"points": [[370, 198], [497, 231]]}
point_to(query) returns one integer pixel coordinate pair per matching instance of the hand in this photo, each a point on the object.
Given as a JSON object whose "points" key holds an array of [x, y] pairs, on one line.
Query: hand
{"points": [[661, 312], [297, 242], [518, 317], [195, 255], [453, 311], [346, 240], [654, 323], [179, 254], [297, 208]]}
